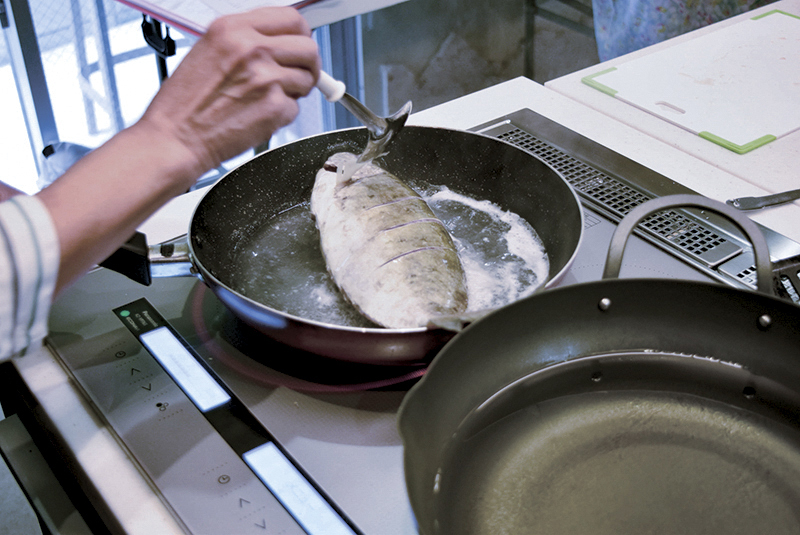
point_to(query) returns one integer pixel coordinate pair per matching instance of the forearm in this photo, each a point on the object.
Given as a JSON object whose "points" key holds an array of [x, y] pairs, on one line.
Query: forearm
{"points": [[100, 201], [236, 86], [6, 192]]}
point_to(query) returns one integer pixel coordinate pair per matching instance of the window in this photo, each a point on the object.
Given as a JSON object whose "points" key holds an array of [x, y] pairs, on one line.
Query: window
{"points": [[80, 70]]}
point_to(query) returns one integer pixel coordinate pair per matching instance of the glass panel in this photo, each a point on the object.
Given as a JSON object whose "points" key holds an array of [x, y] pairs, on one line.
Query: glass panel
{"points": [[18, 166], [100, 76], [100, 72]]}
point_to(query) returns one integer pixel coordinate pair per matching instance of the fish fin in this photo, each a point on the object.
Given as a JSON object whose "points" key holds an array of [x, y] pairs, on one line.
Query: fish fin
{"points": [[456, 322]]}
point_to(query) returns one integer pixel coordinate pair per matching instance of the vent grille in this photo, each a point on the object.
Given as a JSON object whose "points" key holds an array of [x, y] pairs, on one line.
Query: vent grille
{"points": [[790, 289], [695, 238], [619, 199], [748, 276]]}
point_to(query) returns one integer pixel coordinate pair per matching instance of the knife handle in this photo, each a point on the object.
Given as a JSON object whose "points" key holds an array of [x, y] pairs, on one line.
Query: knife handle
{"points": [[754, 203]]}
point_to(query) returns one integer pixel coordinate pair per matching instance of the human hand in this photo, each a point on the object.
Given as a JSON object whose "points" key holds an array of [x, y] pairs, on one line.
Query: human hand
{"points": [[237, 86]]}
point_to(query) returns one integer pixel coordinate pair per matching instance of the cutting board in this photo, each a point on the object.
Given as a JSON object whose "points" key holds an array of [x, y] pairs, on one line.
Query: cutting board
{"points": [[738, 87]]}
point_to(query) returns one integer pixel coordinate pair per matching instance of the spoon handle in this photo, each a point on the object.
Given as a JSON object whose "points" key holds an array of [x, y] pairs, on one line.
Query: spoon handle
{"points": [[754, 203], [332, 88], [335, 91]]}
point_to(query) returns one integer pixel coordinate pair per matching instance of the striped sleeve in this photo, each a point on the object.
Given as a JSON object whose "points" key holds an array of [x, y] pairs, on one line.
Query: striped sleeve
{"points": [[29, 258]]}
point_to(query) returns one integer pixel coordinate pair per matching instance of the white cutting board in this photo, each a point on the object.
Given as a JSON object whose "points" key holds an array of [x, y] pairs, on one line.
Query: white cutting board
{"points": [[738, 87]]}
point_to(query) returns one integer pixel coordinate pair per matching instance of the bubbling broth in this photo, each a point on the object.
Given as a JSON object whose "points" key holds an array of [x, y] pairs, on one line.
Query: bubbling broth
{"points": [[281, 264]]}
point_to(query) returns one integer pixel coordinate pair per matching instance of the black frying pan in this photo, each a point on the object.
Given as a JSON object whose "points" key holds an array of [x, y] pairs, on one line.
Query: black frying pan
{"points": [[249, 197], [619, 406]]}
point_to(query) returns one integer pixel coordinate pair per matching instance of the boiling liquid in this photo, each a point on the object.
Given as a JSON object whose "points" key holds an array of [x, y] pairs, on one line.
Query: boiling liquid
{"points": [[502, 256], [281, 264]]}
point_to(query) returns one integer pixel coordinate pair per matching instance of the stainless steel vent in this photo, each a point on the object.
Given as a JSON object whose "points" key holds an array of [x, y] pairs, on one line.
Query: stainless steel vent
{"points": [[611, 185], [617, 199]]}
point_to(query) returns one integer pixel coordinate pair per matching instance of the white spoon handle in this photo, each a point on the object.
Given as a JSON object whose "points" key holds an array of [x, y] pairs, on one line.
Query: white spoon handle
{"points": [[332, 88]]}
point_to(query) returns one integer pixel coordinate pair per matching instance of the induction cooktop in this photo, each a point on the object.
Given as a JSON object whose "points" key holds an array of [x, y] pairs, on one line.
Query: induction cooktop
{"points": [[239, 434]]}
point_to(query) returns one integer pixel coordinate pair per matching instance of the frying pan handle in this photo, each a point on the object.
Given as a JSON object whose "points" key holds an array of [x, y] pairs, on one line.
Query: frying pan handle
{"points": [[131, 260], [748, 227], [171, 258], [141, 263]]}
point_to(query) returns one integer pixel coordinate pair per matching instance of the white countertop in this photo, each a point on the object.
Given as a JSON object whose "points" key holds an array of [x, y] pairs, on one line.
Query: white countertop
{"points": [[116, 476], [716, 172]]}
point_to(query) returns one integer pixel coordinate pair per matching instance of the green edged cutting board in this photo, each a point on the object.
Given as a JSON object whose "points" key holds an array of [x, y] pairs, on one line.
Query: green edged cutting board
{"points": [[738, 87]]}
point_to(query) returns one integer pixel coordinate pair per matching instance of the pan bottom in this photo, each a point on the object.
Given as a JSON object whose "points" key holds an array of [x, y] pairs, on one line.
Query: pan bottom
{"points": [[611, 462]]}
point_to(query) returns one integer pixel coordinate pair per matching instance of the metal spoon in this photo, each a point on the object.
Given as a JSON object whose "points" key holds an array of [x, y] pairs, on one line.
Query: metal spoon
{"points": [[381, 129], [754, 203]]}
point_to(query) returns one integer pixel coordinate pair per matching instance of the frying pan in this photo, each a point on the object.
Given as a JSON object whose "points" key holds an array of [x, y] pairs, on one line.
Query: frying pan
{"points": [[617, 406], [250, 196]]}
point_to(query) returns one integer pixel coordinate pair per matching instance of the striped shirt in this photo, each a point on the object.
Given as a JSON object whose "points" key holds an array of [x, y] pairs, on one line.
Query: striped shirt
{"points": [[29, 258]]}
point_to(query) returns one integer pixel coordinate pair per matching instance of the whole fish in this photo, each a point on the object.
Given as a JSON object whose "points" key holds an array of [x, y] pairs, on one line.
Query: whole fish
{"points": [[385, 249]]}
